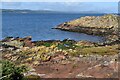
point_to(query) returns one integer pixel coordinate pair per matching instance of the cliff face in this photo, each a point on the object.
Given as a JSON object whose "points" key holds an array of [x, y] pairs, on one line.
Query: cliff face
{"points": [[100, 25]]}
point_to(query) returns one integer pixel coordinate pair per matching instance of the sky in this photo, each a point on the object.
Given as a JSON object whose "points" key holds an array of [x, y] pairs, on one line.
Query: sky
{"points": [[60, 0], [103, 7]]}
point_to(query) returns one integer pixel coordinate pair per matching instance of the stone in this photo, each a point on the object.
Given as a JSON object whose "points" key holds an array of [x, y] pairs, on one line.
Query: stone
{"points": [[58, 58], [14, 58], [36, 62], [7, 55]]}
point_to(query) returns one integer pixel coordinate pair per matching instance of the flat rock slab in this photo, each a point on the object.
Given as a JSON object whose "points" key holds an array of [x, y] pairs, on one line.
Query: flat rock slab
{"points": [[77, 70]]}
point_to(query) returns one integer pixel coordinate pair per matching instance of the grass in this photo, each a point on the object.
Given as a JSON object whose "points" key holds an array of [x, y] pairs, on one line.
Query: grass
{"points": [[40, 43], [103, 50], [32, 77], [66, 45], [107, 50]]}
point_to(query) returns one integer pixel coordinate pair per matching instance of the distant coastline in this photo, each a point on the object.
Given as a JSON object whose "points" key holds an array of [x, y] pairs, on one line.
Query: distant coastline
{"points": [[27, 11], [48, 11]]}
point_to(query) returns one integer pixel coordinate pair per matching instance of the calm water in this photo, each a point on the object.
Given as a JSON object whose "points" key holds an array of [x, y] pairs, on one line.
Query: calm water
{"points": [[39, 26]]}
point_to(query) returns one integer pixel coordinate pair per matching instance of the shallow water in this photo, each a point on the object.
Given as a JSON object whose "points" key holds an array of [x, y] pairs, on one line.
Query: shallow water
{"points": [[39, 26]]}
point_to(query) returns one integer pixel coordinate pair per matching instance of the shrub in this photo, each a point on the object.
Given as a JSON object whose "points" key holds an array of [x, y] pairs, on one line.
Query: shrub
{"points": [[11, 72]]}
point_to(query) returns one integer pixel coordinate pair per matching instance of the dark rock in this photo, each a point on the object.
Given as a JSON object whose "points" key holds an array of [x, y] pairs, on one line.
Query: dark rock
{"points": [[7, 39]]}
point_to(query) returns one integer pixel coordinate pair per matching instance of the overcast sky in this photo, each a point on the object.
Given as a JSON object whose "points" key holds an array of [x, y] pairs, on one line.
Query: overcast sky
{"points": [[108, 7]]}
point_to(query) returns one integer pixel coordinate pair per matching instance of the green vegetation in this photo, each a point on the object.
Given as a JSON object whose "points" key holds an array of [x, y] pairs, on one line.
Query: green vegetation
{"points": [[47, 44], [108, 50], [12, 72], [32, 77], [66, 44], [41, 43]]}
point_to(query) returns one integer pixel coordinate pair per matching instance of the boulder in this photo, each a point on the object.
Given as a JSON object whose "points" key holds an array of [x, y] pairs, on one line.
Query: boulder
{"points": [[27, 41]]}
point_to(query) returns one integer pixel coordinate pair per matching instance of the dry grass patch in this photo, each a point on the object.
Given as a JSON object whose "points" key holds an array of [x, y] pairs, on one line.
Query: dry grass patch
{"points": [[106, 50]]}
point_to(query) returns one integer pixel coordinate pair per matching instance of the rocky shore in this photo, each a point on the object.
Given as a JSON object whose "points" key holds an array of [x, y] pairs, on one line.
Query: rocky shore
{"points": [[74, 59], [69, 58], [99, 25], [106, 26]]}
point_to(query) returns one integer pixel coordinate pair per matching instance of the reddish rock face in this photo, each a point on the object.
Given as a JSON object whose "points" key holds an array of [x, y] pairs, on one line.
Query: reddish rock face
{"points": [[28, 43]]}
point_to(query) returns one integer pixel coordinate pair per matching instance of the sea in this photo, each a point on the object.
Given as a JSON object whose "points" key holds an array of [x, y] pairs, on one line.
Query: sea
{"points": [[39, 26]]}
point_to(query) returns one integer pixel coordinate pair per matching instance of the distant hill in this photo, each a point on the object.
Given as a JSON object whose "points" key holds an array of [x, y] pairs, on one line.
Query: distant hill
{"points": [[46, 11], [28, 11]]}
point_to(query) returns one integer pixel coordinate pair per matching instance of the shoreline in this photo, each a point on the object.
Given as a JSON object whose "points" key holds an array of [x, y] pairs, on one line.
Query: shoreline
{"points": [[64, 58], [105, 26]]}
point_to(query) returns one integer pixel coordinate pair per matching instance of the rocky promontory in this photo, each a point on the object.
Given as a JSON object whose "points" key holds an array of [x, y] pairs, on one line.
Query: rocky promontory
{"points": [[95, 25]]}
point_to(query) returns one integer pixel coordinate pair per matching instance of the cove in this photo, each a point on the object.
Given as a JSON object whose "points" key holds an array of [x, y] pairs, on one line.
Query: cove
{"points": [[39, 26]]}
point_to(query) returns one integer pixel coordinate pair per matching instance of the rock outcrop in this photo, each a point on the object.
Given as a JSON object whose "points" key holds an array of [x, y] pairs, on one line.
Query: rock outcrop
{"points": [[100, 25]]}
